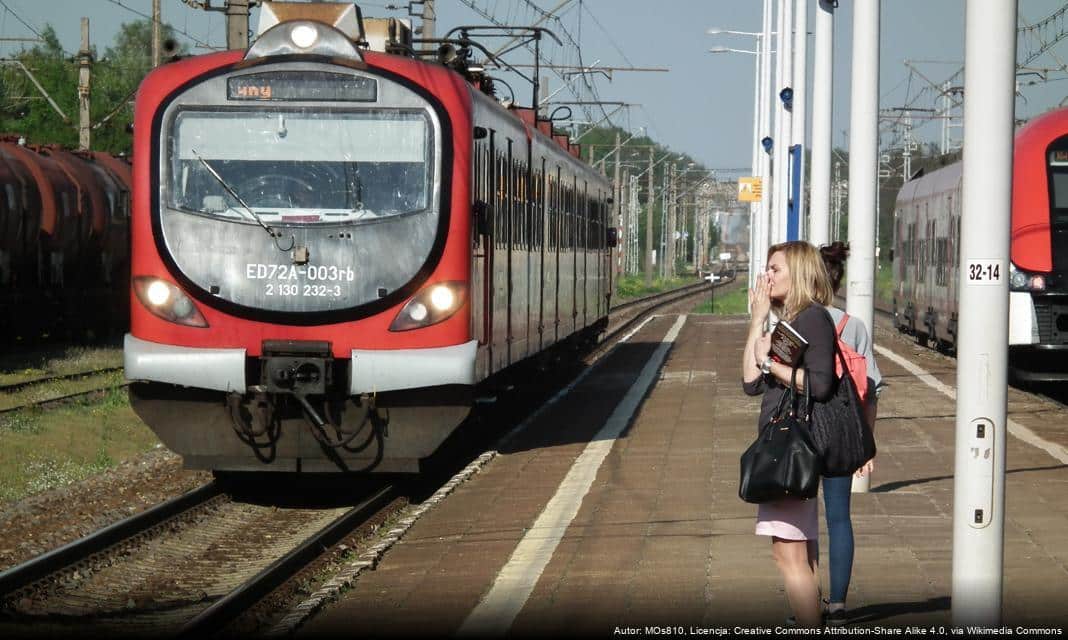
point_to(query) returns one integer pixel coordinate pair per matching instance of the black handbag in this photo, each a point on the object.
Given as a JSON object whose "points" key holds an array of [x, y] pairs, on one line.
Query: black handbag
{"points": [[783, 461], [843, 436]]}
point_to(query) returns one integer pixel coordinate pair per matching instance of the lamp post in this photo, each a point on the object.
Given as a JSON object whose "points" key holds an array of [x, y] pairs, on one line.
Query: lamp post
{"points": [[761, 159], [757, 210]]}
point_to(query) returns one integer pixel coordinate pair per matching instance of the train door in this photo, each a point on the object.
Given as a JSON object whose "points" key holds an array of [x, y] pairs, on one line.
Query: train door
{"points": [[558, 237], [502, 272], [578, 210], [482, 254], [584, 237], [542, 239]]}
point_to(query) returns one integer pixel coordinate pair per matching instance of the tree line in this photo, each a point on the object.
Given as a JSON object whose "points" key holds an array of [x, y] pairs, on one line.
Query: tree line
{"points": [[114, 79]]}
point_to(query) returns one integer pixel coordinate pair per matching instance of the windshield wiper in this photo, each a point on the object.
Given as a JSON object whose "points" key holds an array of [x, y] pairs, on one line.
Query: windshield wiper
{"points": [[233, 194]]}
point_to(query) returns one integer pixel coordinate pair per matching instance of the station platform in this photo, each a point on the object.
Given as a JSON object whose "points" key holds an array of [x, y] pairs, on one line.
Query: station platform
{"points": [[616, 510]]}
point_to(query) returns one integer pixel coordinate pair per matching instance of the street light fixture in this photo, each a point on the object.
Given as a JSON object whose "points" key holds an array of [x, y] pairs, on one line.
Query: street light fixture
{"points": [[722, 49], [716, 30]]}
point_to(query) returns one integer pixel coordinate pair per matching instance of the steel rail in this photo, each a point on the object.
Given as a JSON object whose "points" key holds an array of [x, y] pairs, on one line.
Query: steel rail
{"points": [[656, 297], [657, 301], [64, 398], [79, 550], [228, 608], [16, 386]]}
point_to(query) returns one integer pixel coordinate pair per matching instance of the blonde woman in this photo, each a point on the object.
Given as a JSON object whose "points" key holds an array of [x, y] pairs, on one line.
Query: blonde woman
{"points": [[796, 287]]}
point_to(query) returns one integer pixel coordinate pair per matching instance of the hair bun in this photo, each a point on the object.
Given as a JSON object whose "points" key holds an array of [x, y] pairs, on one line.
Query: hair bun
{"points": [[837, 251]]}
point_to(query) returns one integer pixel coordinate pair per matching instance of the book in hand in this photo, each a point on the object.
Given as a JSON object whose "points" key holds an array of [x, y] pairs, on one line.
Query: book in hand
{"points": [[787, 345]]}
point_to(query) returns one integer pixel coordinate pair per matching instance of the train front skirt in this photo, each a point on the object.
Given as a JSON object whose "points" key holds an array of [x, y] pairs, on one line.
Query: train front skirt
{"points": [[308, 412]]}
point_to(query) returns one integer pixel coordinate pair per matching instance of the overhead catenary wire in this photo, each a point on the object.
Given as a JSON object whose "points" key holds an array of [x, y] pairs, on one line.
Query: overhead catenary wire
{"points": [[183, 32], [28, 25], [524, 11]]}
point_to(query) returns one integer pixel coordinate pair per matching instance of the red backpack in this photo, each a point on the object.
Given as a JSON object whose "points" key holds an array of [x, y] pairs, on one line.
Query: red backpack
{"points": [[855, 362]]}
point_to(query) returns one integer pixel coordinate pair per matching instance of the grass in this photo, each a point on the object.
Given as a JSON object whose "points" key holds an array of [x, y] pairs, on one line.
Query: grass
{"points": [[58, 388], [630, 287], [731, 303], [43, 450], [884, 282], [17, 366]]}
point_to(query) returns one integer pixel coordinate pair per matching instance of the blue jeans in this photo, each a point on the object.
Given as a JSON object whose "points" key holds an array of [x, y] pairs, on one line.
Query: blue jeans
{"points": [[836, 492]]}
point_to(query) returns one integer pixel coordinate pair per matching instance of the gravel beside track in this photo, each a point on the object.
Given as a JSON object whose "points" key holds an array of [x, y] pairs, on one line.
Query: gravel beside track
{"points": [[159, 585], [49, 520]]}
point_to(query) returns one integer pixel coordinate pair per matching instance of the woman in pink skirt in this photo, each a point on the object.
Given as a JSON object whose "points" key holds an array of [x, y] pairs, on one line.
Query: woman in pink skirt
{"points": [[796, 287]]}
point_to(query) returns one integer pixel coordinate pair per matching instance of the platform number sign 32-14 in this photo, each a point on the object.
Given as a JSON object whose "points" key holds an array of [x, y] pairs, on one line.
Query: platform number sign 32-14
{"points": [[984, 271]]}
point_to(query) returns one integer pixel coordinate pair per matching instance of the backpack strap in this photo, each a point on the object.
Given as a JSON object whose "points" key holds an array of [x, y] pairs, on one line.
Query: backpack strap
{"points": [[842, 324], [837, 351]]}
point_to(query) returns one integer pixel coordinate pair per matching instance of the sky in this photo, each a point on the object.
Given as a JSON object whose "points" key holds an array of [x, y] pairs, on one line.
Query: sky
{"points": [[703, 104]]}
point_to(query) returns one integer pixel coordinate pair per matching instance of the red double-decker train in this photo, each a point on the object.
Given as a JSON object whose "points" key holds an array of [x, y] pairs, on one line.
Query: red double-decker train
{"points": [[333, 247], [927, 253]]}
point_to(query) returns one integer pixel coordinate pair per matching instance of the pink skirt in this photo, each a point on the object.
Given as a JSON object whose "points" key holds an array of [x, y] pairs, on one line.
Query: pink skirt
{"points": [[790, 519]]}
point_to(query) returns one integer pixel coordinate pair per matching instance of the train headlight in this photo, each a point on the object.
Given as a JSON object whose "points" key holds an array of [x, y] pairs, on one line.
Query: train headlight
{"points": [[417, 312], [165, 300], [1024, 281], [430, 305], [1018, 280], [442, 297], [158, 293], [304, 35]]}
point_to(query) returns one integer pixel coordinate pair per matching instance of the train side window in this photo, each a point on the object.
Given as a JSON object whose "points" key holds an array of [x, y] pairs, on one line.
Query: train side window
{"points": [[550, 239], [912, 244], [517, 204], [500, 231]]}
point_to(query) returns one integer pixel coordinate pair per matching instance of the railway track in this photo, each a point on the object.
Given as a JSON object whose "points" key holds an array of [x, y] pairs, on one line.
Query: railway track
{"points": [[24, 384], [189, 566], [62, 399]]}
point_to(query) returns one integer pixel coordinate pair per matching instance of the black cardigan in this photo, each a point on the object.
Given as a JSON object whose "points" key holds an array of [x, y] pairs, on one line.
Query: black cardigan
{"points": [[815, 325]]}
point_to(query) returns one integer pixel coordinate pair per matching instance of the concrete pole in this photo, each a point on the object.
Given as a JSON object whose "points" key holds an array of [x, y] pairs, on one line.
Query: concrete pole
{"points": [[797, 136], [754, 207], [702, 257], [624, 219], [783, 121], [237, 24], [863, 171], [663, 222], [671, 211], [632, 225], [157, 20], [760, 250], [982, 355], [85, 63], [822, 100], [649, 200], [430, 19], [617, 204]]}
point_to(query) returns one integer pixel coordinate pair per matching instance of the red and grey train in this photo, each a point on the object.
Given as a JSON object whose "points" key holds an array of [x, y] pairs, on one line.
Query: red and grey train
{"points": [[333, 247], [64, 219], [927, 255]]}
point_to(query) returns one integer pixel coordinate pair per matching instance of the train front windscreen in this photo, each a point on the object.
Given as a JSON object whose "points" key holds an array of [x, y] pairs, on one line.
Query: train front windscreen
{"points": [[285, 206], [1057, 168]]}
